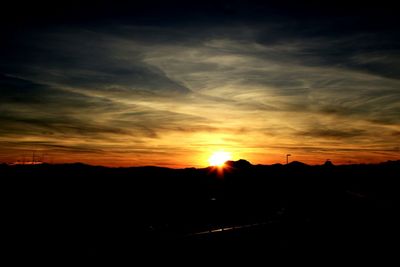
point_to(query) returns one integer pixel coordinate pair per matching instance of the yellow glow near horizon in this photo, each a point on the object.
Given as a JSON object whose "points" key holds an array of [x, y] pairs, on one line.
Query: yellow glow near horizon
{"points": [[219, 158]]}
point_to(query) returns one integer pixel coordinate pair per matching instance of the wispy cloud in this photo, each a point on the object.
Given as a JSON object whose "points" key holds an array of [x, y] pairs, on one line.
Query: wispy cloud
{"points": [[145, 95]]}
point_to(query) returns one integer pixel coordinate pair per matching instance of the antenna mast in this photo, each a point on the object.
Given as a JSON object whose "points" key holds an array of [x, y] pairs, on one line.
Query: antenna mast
{"points": [[287, 158]]}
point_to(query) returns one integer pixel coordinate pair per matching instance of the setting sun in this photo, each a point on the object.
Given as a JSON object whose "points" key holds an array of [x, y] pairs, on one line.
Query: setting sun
{"points": [[219, 158]]}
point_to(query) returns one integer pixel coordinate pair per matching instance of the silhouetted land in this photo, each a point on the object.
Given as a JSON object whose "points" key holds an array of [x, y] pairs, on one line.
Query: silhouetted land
{"points": [[80, 212]]}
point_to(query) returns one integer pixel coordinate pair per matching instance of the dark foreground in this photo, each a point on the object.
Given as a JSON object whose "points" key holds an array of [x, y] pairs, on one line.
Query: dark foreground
{"points": [[79, 213]]}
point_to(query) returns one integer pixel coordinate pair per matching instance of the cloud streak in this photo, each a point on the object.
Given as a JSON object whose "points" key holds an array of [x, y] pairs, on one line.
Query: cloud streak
{"points": [[141, 95]]}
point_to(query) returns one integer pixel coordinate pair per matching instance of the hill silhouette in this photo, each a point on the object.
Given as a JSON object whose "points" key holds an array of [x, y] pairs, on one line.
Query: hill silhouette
{"points": [[100, 213], [241, 163]]}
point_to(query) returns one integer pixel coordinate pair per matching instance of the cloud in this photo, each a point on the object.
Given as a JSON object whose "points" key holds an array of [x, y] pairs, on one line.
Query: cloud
{"points": [[334, 133], [182, 90], [83, 59], [46, 117]]}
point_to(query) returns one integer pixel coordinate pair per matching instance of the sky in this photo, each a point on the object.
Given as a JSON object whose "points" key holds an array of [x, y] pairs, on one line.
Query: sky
{"points": [[121, 83]]}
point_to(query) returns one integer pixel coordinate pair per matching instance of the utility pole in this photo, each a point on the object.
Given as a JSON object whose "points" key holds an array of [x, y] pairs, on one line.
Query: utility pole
{"points": [[287, 158]]}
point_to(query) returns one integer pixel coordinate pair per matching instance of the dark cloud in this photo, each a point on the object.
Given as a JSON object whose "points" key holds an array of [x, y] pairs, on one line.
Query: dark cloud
{"points": [[49, 146], [35, 95], [84, 59], [32, 109], [334, 133]]}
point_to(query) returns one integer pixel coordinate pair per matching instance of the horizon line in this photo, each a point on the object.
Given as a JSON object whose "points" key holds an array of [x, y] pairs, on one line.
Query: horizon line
{"points": [[190, 167]]}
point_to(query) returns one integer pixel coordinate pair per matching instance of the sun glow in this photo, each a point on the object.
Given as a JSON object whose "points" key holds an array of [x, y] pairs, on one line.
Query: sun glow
{"points": [[219, 158]]}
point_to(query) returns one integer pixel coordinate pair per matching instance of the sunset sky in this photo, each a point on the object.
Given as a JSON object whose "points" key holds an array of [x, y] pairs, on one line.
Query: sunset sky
{"points": [[168, 83]]}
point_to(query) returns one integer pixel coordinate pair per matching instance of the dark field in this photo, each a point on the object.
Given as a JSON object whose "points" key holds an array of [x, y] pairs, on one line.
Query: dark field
{"points": [[80, 213]]}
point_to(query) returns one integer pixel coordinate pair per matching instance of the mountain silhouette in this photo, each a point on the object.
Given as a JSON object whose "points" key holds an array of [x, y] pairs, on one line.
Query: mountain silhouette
{"points": [[297, 164], [328, 163], [79, 211], [239, 164]]}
